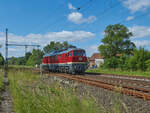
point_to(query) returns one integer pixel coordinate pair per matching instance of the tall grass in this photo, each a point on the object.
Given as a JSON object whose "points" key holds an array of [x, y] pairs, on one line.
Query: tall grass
{"points": [[33, 95], [1, 79], [1, 83]]}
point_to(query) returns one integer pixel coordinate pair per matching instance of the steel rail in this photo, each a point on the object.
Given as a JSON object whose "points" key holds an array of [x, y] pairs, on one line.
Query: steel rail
{"points": [[131, 91]]}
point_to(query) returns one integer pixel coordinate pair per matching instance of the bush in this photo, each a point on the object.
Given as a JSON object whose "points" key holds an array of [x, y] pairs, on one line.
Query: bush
{"points": [[2, 61], [139, 60], [123, 62], [111, 62]]}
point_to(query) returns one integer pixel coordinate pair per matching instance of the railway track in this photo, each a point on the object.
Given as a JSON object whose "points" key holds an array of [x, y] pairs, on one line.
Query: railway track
{"points": [[136, 86], [139, 78], [129, 87]]}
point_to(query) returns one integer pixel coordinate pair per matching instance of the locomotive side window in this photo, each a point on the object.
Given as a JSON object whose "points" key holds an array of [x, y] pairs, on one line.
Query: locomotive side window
{"points": [[70, 54], [76, 53]]}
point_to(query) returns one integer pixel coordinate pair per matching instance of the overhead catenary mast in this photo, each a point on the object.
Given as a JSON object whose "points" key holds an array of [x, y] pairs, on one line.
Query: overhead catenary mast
{"points": [[25, 45]]}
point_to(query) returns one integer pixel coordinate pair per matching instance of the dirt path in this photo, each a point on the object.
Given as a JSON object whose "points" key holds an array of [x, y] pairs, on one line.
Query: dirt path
{"points": [[6, 104]]}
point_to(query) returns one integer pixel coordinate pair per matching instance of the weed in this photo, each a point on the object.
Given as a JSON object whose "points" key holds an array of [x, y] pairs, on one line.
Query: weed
{"points": [[30, 95]]}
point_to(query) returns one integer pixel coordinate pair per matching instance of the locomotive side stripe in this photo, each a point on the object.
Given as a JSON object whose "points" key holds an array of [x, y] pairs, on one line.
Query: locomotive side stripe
{"points": [[70, 63]]}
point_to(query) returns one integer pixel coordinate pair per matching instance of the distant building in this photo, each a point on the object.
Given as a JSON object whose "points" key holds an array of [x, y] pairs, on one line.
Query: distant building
{"points": [[95, 60]]}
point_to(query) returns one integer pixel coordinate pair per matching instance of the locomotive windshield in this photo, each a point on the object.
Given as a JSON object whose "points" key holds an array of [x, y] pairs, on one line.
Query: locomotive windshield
{"points": [[76, 53], [82, 53]]}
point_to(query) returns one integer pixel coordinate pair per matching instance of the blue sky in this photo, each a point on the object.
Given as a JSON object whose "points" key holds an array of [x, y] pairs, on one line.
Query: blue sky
{"points": [[42, 21]]}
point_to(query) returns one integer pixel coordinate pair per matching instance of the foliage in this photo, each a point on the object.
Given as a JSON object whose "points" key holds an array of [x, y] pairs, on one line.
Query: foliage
{"points": [[148, 64], [2, 61], [12, 60], [1, 80], [116, 41], [111, 62], [56, 46], [20, 60], [123, 62], [27, 56], [139, 60], [35, 58], [16, 61]]}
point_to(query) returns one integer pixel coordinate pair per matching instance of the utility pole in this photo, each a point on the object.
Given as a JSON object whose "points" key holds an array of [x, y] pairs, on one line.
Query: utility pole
{"points": [[26, 49], [6, 53]]}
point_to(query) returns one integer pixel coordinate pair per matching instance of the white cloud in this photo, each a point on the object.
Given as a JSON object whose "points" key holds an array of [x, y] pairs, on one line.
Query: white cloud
{"points": [[140, 31], [78, 18], [70, 6], [69, 35], [91, 49], [136, 5], [142, 43], [130, 18], [43, 39]]}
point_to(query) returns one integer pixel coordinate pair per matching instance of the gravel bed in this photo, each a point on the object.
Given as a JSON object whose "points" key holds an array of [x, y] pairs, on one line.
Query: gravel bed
{"points": [[107, 100]]}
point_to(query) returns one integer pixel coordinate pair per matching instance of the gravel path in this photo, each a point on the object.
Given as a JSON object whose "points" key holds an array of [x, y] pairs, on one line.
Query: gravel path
{"points": [[6, 104]]}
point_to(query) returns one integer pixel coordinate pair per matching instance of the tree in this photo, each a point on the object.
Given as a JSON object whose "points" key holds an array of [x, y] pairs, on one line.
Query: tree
{"points": [[116, 41], [12, 60], [56, 46], [27, 55], [35, 58], [139, 60], [20, 61], [1, 59]]}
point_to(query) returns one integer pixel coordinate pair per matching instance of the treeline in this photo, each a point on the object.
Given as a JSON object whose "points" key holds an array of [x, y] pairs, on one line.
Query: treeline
{"points": [[120, 52], [35, 57], [30, 59], [2, 61]]}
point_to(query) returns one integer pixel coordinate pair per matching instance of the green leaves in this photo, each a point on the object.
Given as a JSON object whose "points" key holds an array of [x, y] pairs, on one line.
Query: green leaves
{"points": [[139, 60], [116, 41], [56, 46], [35, 58], [1, 59]]}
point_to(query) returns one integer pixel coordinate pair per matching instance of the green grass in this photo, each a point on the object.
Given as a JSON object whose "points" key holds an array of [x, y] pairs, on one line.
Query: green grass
{"points": [[1, 79], [120, 72], [31, 95], [1, 82], [20, 66]]}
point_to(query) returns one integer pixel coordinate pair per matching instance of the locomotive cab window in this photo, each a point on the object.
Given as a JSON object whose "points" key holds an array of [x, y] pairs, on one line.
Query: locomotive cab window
{"points": [[76, 53], [70, 54], [82, 53]]}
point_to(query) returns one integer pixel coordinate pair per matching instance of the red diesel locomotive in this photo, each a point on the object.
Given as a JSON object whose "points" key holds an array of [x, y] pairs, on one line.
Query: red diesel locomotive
{"points": [[72, 60]]}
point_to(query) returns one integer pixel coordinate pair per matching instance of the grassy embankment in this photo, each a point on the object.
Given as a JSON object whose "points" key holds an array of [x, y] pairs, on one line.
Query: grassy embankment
{"points": [[1, 82], [120, 72], [31, 95], [20, 66]]}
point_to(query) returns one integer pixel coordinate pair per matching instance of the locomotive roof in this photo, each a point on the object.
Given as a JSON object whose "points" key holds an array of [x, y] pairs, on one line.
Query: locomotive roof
{"points": [[61, 52]]}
